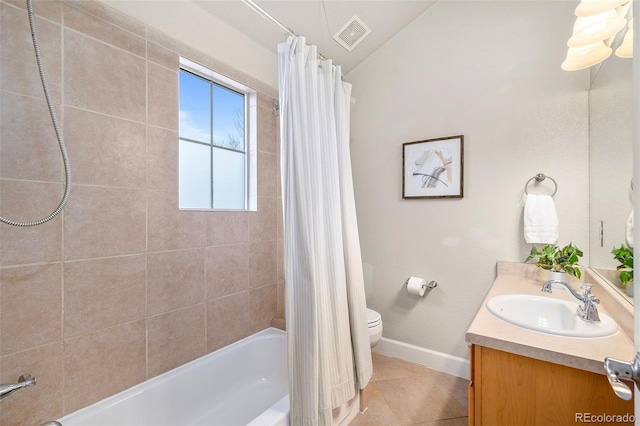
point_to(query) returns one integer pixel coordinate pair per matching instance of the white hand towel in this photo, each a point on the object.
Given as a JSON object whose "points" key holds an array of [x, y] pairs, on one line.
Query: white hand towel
{"points": [[540, 220], [629, 230]]}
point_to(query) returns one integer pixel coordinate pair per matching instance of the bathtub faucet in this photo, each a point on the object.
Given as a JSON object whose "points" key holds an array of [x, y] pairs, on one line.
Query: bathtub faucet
{"points": [[23, 381]]}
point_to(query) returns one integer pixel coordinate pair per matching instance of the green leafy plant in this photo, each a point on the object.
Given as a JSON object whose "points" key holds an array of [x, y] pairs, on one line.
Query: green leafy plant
{"points": [[555, 259], [624, 255]]}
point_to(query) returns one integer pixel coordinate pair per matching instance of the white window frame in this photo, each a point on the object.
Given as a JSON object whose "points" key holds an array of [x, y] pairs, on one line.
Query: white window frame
{"points": [[251, 131]]}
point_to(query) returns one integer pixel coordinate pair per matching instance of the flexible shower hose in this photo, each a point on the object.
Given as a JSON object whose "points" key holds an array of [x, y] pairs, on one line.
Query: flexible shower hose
{"points": [[56, 127]]}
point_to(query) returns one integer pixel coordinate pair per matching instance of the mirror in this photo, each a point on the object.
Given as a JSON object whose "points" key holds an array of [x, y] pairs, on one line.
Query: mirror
{"points": [[610, 164]]}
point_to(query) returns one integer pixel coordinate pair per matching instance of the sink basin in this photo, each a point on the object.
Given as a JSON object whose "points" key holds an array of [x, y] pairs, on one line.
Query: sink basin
{"points": [[548, 315]]}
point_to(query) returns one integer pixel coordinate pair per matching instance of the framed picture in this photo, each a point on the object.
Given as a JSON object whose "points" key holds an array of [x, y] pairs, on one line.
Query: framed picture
{"points": [[433, 168]]}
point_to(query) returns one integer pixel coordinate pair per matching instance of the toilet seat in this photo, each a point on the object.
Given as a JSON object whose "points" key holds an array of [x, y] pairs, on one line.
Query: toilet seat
{"points": [[373, 318]]}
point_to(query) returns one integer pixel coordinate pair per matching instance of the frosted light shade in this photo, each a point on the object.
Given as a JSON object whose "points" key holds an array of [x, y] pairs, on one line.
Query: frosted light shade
{"points": [[595, 7], [625, 50], [595, 28], [579, 58]]}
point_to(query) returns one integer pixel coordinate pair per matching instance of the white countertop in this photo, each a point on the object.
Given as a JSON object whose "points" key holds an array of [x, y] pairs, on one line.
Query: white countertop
{"points": [[582, 353]]}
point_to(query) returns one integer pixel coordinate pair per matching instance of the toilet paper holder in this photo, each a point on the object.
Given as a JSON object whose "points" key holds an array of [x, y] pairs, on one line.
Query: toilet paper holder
{"points": [[431, 284], [418, 286]]}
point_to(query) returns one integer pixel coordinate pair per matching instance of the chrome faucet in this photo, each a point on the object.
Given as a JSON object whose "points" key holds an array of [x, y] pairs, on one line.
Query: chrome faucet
{"points": [[588, 311], [23, 381]]}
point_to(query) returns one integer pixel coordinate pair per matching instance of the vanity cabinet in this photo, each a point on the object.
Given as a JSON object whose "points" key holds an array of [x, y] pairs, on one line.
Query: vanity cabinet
{"points": [[510, 389]]}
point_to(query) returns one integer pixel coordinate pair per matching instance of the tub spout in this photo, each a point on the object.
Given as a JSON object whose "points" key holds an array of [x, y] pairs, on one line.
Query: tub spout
{"points": [[23, 381]]}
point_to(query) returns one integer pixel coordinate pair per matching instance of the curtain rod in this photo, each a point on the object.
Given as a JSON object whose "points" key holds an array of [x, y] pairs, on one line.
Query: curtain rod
{"points": [[266, 15], [260, 11]]}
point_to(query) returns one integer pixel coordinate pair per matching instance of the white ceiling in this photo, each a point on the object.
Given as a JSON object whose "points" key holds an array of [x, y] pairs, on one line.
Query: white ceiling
{"points": [[318, 21]]}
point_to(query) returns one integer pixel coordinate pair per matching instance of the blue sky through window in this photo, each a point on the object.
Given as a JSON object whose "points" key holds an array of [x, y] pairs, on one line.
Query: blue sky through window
{"points": [[197, 96], [195, 108], [228, 118]]}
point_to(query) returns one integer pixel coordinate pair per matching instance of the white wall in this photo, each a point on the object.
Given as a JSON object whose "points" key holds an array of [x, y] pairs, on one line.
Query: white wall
{"points": [[491, 71], [190, 24]]}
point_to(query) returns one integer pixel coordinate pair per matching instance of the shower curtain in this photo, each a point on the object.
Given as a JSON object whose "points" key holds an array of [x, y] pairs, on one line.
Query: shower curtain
{"points": [[327, 335]]}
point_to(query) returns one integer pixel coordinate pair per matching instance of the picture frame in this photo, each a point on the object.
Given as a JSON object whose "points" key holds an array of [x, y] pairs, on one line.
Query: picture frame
{"points": [[433, 168]]}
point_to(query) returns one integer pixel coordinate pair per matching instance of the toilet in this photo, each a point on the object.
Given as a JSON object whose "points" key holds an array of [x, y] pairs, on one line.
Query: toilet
{"points": [[374, 323]]}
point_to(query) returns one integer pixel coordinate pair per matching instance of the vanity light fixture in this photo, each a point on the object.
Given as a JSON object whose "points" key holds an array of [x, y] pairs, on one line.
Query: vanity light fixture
{"points": [[590, 29], [597, 24], [626, 48], [579, 58], [595, 7]]}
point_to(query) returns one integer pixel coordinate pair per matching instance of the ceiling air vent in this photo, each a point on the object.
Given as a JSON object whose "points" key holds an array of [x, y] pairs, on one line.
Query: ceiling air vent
{"points": [[352, 33]]}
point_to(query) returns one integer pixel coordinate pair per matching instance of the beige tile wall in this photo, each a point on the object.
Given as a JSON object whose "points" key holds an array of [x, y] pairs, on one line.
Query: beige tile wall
{"points": [[122, 286]]}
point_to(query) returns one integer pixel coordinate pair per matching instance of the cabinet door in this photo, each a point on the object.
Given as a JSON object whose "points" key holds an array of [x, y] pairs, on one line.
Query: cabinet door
{"points": [[472, 389], [511, 389]]}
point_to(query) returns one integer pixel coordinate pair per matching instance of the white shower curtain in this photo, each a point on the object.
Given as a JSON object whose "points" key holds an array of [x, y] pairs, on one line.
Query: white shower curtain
{"points": [[328, 340]]}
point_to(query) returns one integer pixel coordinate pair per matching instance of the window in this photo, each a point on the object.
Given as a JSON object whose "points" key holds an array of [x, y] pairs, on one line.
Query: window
{"points": [[217, 137]]}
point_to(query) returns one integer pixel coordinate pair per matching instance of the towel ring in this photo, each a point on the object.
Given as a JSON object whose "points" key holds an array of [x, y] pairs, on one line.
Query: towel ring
{"points": [[539, 178]]}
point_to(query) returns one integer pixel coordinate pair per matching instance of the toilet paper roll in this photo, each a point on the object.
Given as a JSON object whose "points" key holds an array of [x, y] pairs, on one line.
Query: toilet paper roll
{"points": [[416, 286]]}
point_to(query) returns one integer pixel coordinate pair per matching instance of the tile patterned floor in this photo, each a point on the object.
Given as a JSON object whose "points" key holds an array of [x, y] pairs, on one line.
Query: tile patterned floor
{"points": [[404, 394]]}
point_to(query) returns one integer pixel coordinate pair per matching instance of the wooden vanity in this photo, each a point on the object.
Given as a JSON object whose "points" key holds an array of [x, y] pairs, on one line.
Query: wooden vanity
{"points": [[521, 377]]}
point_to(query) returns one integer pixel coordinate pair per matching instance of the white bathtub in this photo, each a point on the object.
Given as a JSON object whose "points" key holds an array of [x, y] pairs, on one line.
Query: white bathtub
{"points": [[242, 384]]}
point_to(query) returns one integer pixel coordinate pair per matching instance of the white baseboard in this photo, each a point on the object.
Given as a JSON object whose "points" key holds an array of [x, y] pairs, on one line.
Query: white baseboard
{"points": [[439, 361]]}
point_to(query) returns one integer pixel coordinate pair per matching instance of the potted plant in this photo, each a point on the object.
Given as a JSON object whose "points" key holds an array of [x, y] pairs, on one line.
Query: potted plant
{"points": [[558, 261], [624, 255]]}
